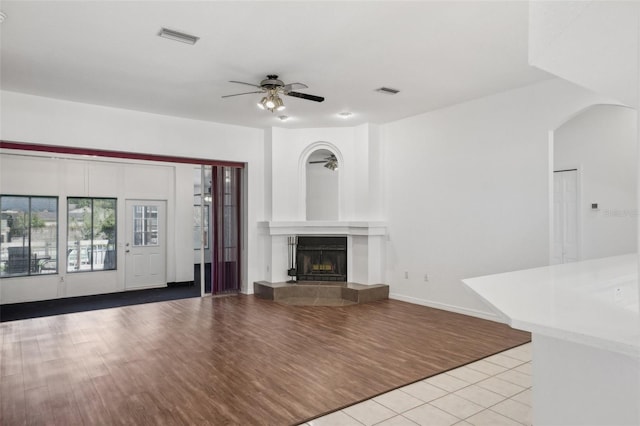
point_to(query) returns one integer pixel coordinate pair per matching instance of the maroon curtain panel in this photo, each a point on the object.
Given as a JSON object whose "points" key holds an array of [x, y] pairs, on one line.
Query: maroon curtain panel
{"points": [[226, 230]]}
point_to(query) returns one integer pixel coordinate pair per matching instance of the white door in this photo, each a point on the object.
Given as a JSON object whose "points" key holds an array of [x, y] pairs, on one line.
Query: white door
{"points": [[145, 244], [565, 217]]}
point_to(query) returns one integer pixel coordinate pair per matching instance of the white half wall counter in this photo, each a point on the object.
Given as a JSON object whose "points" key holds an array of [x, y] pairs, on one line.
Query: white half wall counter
{"points": [[585, 323]]}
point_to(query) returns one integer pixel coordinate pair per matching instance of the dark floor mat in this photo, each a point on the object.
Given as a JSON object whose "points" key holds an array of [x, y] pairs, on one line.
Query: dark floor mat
{"points": [[45, 308]]}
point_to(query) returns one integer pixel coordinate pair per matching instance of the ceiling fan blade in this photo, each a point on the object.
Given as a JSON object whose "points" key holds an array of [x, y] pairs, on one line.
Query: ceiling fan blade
{"points": [[305, 96], [239, 94], [293, 86], [248, 84]]}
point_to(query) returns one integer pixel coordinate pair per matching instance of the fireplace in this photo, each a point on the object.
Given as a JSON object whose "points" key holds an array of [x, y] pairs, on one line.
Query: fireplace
{"points": [[321, 258]]}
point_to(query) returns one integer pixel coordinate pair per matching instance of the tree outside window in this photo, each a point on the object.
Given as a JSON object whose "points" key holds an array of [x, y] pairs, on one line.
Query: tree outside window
{"points": [[91, 234]]}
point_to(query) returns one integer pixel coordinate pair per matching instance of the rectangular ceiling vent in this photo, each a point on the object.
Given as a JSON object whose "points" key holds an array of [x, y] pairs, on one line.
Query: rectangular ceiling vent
{"points": [[178, 36], [387, 90]]}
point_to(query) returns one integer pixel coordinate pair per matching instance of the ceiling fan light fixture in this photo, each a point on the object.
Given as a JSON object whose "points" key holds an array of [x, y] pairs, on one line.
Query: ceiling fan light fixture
{"points": [[272, 88], [332, 165], [270, 104]]}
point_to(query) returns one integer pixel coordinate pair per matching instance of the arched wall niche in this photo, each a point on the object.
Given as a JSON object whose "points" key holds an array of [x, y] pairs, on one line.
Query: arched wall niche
{"points": [[319, 198]]}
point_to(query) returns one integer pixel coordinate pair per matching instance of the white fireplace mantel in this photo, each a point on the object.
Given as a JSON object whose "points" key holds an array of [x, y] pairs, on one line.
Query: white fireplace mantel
{"points": [[365, 246], [325, 228]]}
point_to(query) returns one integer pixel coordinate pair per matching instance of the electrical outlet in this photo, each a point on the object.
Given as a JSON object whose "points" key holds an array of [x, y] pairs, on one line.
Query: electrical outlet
{"points": [[406, 275], [426, 278]]}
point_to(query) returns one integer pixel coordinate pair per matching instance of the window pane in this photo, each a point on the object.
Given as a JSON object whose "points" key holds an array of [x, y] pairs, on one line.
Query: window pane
{"points": [[78, 234], [196, 227], [15, 236], [104, 234], [44, 235], [28, 235], [91, 234], [145, 225]]}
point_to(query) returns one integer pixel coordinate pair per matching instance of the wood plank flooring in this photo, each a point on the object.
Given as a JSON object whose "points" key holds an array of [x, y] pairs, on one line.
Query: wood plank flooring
{"points": [[226, 361]]}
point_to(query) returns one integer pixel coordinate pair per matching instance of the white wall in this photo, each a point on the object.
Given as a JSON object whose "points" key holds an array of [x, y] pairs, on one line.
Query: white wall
{"points": [[601, 143], [591, 43], [467, 191], [77, 177], [34, 119], [376, 178], [288, 166]]}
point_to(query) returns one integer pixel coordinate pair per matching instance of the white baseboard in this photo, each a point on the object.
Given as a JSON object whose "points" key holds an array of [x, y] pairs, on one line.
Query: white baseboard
{"points": [[452, 308], [144, 287]]}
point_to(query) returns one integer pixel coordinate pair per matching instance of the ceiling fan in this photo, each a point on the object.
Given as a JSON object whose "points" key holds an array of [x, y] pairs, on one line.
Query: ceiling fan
{"points": [[273, 88], [330, 162]]}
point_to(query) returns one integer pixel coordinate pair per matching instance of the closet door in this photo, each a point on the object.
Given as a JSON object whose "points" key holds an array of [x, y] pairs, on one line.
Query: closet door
{"points": [[565, 220]]}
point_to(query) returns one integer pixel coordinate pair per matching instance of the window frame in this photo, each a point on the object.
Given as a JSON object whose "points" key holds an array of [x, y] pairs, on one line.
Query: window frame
{"points": [[29, 272], [114, 244]]}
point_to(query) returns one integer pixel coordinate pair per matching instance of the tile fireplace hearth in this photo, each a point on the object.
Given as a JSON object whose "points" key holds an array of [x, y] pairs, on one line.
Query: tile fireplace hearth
{"points": [[320, 293]]}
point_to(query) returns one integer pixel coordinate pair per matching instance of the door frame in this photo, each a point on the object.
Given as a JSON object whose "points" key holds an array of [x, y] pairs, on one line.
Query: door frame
{"points": [[164, 222], [579, 210]]}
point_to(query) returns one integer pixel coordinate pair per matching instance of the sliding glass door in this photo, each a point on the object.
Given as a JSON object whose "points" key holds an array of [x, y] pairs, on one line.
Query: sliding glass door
{"points": [[226, 221]]}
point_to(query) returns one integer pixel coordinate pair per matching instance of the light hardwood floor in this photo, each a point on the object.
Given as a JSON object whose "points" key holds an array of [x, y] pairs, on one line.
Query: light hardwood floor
{"points": [[234, 360]]}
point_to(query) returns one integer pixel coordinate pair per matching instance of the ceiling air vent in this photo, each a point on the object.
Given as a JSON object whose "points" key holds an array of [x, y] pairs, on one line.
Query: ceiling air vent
{"points": [[387, 90], [178, 36]]}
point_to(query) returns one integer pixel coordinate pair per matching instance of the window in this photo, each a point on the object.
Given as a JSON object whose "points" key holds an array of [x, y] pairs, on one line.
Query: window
{"points": [[197, 232], [201, 174], [28, 235], [91, 234], [145, 226]]}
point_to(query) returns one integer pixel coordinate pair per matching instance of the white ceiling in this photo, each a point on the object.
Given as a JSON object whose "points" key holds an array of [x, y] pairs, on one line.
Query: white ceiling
{"points": [[108, 53]]}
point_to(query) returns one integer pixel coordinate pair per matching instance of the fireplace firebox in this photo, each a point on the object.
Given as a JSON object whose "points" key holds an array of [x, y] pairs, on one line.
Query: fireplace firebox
{"points": [[321, 258]]}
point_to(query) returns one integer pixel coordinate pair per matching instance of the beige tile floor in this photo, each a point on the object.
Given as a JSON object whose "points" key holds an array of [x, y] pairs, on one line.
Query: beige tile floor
{"points": [[495, 391]]}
